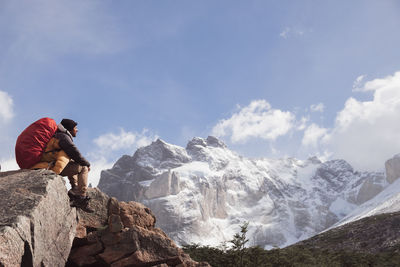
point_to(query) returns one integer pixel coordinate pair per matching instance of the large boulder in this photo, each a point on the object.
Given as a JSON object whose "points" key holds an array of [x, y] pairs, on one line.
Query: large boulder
{"points": [[37, 225]]}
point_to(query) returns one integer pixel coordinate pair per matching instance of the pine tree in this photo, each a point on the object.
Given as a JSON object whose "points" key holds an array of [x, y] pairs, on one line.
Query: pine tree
{"points": [[239, 244]]}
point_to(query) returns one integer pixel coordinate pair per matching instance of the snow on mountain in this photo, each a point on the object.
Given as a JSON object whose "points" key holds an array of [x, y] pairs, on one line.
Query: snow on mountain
{"points": [[385, 202], [204, 192]]}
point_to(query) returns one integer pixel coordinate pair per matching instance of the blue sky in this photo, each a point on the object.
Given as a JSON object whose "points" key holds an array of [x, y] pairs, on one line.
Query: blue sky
{"points": [[270, 78]]}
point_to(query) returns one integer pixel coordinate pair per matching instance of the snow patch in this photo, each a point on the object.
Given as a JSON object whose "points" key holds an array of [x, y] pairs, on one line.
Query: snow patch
{"points": [[341, 207]]}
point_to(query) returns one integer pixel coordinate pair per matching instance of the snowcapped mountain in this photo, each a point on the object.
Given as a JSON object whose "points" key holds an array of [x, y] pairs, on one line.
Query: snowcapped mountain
{"points": [[204, 192]]}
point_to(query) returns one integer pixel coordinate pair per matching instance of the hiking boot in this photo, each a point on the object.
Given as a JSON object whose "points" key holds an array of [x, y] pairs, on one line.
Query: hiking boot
{"points": [[71, 195], [79, 200], [81, 203]]}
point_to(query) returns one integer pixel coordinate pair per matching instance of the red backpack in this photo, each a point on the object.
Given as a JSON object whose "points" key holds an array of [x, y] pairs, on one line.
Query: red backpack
{"points": [[32, 142]]}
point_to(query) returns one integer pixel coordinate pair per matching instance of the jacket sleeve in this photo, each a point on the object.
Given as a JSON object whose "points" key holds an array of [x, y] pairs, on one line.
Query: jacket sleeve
{"points": [[72, 151]]}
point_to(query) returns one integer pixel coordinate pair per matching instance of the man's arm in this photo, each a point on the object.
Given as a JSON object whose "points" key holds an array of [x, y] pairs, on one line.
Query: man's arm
{"points": [[72, 151]]}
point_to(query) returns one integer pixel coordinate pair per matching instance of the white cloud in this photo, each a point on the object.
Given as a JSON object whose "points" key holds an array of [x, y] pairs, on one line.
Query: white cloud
{"points": [[367, 133], [110, 146], [123, 140], [257, 120], [100, 164], [302, 124], [313, 135], [6, 107], [317, 107], [357, 84]]}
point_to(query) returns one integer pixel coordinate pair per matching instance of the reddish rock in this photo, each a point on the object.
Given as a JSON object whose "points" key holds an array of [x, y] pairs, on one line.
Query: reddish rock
{"points": [[116, 252], [124, 234], [136, 214], [114, 223], [113, 206], [140, 258], [85, 255], [80, 231], [99, 203], [110, 239]]}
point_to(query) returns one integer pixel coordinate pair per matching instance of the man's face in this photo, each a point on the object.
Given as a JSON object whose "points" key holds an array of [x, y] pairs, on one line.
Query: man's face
{"points": [[74, 131]]}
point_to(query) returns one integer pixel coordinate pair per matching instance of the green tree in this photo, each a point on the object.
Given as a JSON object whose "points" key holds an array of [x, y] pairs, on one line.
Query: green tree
{"points": [[239, 244]]}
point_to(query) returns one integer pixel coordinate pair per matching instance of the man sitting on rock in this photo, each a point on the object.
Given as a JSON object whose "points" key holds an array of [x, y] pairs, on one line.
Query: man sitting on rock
{"points": [[77, 168], [63, 157]]}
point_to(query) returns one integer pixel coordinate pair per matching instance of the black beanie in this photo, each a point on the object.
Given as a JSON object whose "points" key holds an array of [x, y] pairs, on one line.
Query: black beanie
{"points": [[68, 124]]}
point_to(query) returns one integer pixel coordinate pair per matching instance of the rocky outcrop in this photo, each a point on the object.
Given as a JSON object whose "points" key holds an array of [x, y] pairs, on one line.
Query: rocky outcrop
{"points": [[123, 234], [39, 228], [392, 167], [37, 225]]}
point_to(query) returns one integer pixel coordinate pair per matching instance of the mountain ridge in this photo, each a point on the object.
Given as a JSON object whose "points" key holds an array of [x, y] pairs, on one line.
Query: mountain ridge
{"points": [[203, 192]]}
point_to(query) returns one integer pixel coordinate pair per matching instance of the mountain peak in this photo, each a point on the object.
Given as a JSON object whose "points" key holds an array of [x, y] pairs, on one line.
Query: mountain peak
{"points": [[196, 141], [159, 142], [159, 153], [210, 141], [214, 141], [161, 145]]}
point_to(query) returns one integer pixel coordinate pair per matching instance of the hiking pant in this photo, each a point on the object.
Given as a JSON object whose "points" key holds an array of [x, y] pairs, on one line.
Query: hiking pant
{"points": [[77, 176]]}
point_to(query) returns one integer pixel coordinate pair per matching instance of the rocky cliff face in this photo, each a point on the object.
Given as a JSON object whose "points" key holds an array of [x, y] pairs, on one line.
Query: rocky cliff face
{"points": [[392, 167], [202, 193], [39, 228]]}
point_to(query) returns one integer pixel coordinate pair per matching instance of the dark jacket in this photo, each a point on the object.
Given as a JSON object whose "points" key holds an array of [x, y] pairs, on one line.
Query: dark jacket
{"points": [[66, 143]]}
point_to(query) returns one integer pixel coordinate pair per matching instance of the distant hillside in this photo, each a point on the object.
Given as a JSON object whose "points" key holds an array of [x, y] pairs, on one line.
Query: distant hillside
{"points": [[375, 234], [371, 241]]}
